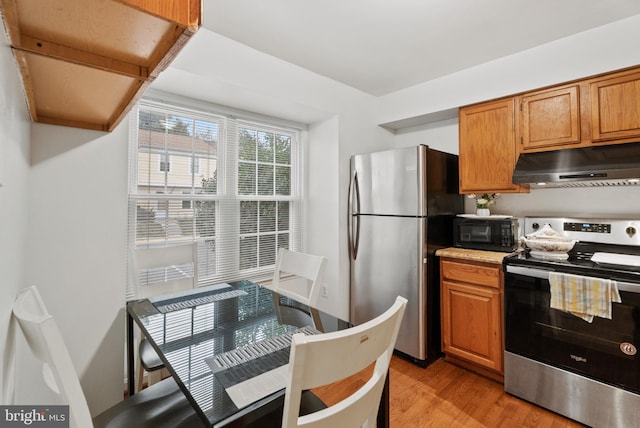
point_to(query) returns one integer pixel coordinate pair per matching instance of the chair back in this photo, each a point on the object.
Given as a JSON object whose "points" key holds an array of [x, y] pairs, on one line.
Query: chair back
{"points": [[322, 359], [308, 267], [165, 270], [45, 341], [156, 271]]}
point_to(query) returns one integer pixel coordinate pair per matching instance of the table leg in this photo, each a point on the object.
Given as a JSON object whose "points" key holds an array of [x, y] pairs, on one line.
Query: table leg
{"points": [[383, 410], [130, 357]]}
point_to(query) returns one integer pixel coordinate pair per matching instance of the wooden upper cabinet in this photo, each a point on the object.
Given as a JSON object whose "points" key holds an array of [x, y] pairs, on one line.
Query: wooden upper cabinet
{"points": [[85, 63], [601, 110], [487, 149], [550, 118], [598, 110], [615, 106]]}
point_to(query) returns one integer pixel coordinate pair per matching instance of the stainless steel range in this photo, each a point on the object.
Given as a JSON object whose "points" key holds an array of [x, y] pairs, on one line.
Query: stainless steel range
{"points": [[587, 371]]}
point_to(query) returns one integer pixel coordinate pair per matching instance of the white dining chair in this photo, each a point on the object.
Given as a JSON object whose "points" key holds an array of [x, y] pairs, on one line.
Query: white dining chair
{"points": [[322, 359], [162, 405], [298, 276], [156, 271]]}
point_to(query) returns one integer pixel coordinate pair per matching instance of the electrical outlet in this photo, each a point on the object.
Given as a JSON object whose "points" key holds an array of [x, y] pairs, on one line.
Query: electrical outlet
{"points": [[323, 290]]}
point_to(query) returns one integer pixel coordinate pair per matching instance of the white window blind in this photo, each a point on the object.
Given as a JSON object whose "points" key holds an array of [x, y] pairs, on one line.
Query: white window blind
{"points": [[229, 185]]}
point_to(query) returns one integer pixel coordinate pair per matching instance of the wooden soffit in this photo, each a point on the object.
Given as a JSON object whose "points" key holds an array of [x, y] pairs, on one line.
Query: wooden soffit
{"points": [[85, 63]]}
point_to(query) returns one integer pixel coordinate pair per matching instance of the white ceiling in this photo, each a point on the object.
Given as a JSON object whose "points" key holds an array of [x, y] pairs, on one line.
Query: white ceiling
{"points": [[381, 46]]}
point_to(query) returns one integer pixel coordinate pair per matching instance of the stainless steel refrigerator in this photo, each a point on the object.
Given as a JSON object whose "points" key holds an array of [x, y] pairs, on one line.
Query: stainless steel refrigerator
{"points": [[401, 208]]}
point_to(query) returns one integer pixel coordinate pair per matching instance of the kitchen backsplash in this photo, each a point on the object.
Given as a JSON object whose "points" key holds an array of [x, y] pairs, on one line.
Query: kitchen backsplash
{"points": [[609, 202]]}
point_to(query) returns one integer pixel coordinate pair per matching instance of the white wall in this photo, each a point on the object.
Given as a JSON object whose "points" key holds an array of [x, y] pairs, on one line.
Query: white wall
{"points": [[441, 136], [76, 247], [614, 202], [321, 184], [14, 169], [596, 51]]}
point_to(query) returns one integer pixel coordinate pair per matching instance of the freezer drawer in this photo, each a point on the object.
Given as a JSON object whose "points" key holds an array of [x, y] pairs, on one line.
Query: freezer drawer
{"points": [[390, 262]]}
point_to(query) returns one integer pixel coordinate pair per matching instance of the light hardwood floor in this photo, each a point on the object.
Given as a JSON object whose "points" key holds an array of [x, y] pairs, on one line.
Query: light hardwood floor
{"points": [[445, 395]]}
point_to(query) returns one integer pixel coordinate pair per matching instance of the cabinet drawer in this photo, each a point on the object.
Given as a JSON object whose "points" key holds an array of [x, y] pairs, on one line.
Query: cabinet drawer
{"points": [[471, 273]]}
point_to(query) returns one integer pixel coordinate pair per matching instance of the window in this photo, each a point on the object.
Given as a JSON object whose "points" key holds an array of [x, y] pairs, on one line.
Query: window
{"points": [[194, 165], [186, 204], [165, 163], [264, 169], [229, 185]]}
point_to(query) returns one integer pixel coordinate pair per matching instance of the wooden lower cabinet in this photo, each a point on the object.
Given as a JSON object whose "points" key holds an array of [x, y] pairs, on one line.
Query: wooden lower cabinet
{"points": [[471, 299]]}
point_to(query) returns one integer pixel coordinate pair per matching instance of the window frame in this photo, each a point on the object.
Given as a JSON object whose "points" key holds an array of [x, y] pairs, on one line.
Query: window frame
{"points": [[227, 201]]}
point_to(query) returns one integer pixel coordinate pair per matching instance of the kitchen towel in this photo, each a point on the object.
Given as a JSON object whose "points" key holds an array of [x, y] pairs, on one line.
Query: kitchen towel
{"points": [[583, 296]]}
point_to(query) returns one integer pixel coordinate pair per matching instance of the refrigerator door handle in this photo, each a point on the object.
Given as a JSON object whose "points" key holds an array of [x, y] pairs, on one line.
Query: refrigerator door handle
{"points": [[353, 225]]}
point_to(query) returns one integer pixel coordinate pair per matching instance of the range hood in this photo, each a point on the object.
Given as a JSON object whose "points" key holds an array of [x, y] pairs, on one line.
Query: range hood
{"points": [[595, 166]]}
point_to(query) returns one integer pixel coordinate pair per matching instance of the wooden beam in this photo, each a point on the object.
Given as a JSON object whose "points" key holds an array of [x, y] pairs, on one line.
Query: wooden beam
{"points": [[127, 103], [21, 60], [167, 50], [76, 56], [159, 61], [10, 17]]}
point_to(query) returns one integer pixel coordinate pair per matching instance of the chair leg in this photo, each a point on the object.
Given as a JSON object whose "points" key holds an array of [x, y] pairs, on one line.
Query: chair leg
{"points": [[154, 377], [317, 322], [140, 377]]}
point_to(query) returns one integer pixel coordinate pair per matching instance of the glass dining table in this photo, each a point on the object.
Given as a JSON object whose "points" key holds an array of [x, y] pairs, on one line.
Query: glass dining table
{"points": [[227, 347]]}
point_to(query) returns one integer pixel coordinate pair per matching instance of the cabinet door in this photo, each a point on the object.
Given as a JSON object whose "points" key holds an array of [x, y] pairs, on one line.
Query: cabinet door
{"points": [[487, 147], [471, 324], [615, 107], [550, 118]]}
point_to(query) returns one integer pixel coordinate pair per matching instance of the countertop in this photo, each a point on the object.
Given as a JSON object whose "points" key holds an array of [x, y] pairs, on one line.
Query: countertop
{"points": [[493, 257]]}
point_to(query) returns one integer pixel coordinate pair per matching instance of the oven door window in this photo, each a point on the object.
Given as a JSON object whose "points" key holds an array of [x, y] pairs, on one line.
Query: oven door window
{"points": [[602, 349]]}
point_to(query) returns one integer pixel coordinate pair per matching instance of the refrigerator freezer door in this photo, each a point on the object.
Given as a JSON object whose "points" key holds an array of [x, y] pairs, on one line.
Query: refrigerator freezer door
{"points": [[390, 182], [388, 264]]}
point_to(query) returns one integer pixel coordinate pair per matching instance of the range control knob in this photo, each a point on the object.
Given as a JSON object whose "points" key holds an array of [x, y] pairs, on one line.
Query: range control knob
{"points": [[631, 231], [535, 226]]}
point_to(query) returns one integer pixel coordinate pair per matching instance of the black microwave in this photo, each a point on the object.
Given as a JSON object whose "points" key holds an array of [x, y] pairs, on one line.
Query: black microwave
{"points": [[499, 234]]}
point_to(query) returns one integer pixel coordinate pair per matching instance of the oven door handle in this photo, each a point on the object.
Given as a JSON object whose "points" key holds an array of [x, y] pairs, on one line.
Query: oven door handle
{"points": [[525, 271], [544, 274]]}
